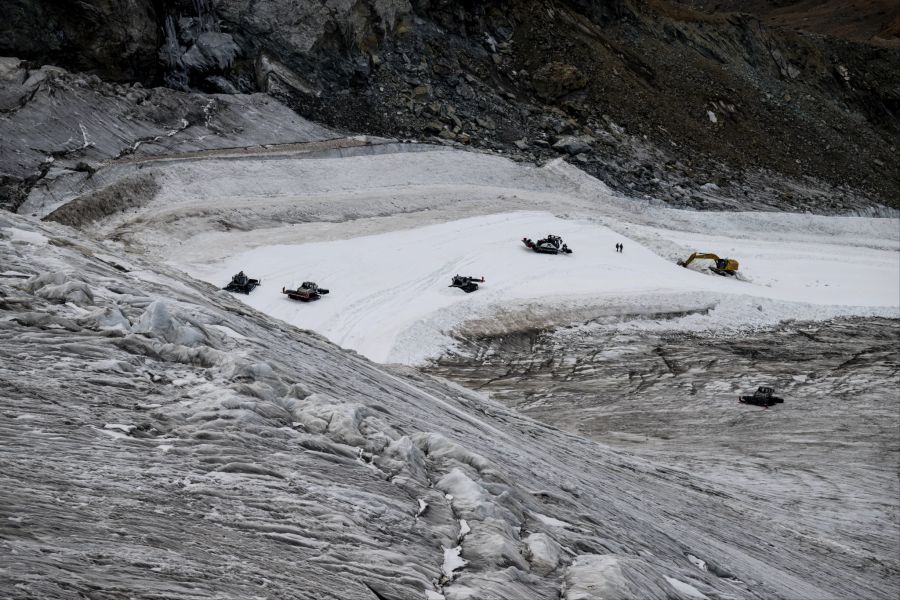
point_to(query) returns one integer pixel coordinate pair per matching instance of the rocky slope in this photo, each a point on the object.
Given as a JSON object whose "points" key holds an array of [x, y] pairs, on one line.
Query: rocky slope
{"points": [[653, 97], [673, 397], [872, 21], [160, 439], [61, 125], [807, 491]]}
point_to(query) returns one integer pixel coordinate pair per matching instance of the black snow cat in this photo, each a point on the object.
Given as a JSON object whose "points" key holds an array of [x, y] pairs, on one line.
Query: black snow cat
{"points": [[552, 244], [764, 396], [466, 284], [241, 284]]}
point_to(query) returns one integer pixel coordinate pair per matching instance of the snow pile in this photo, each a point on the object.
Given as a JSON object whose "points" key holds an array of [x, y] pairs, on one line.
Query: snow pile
{"points": [[686, 589], [17, 235], [158, 321], [543, 553], [609, 577], [61, 287], [452, 562], [615, 577], [108, 318]]}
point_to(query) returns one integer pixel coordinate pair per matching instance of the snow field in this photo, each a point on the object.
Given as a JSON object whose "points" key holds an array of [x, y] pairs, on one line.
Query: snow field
{"points": [[801, 271], [386, 229], [389, 298]]}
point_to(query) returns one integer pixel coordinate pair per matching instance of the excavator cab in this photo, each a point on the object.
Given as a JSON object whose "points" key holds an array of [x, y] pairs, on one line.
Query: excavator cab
{"points": [[727, 264]]}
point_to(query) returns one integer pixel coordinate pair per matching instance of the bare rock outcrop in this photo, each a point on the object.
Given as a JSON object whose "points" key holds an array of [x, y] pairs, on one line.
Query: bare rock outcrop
{"points": [[59, 123], [680, 98]]}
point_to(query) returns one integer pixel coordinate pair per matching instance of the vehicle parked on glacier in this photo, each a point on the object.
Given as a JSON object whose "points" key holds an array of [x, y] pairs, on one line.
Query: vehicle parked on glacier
{"points": [[763, 396], [552, 244], [727, 267], [306, 292], [466, 284], [241, 284]]}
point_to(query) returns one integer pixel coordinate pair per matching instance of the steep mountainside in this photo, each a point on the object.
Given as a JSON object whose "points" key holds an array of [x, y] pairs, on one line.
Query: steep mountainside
{"points": [[162, 439], [653, 97], [874, 21]]}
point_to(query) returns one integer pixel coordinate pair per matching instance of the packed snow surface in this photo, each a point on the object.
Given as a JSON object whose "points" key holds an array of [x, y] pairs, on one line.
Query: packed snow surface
{"points": [[389, 296]]}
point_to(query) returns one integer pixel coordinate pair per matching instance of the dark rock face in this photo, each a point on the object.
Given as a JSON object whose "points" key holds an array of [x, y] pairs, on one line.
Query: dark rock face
{"points": [[554, 80], [875, 21], [675, 98], [115, 39], [57, 123]]}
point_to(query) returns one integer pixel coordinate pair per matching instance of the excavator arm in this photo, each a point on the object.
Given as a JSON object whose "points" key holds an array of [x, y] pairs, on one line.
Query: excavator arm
{"points": [[697, 255]]}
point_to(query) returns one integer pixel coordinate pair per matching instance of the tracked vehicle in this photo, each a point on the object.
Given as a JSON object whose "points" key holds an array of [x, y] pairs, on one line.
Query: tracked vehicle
{"points": [[241, 284], [306, 292], [763, 396], [466, 284], [552, 244]]}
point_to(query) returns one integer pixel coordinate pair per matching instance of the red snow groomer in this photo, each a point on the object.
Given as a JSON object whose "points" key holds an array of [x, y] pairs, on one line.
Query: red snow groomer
{"points": [[307, 292], [552, 244]]}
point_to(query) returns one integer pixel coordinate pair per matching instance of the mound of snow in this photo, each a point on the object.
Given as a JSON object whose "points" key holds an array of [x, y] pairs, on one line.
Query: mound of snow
{"points": [[60, 287], [686, 588], [158, 321], [452, 562], [609, 577], [543, 553]]}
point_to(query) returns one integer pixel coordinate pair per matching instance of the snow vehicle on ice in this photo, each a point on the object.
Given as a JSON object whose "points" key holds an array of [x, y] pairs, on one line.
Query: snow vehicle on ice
{"points": [[552, 244], [307, 292], [241, 284], [763, 396], [466, 284], [723, 266]]}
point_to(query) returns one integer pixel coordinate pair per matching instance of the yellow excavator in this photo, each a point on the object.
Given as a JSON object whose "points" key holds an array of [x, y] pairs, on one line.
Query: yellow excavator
{"points": [[724, 266]]}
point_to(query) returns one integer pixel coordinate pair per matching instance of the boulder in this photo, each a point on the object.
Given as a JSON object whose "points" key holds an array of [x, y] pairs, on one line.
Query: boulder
{"points": [[574, 144], [556, 79]]}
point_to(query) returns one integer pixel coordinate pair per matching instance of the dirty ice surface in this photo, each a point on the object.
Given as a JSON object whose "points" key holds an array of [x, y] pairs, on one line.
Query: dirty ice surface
{"points": [[391, 302]]}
